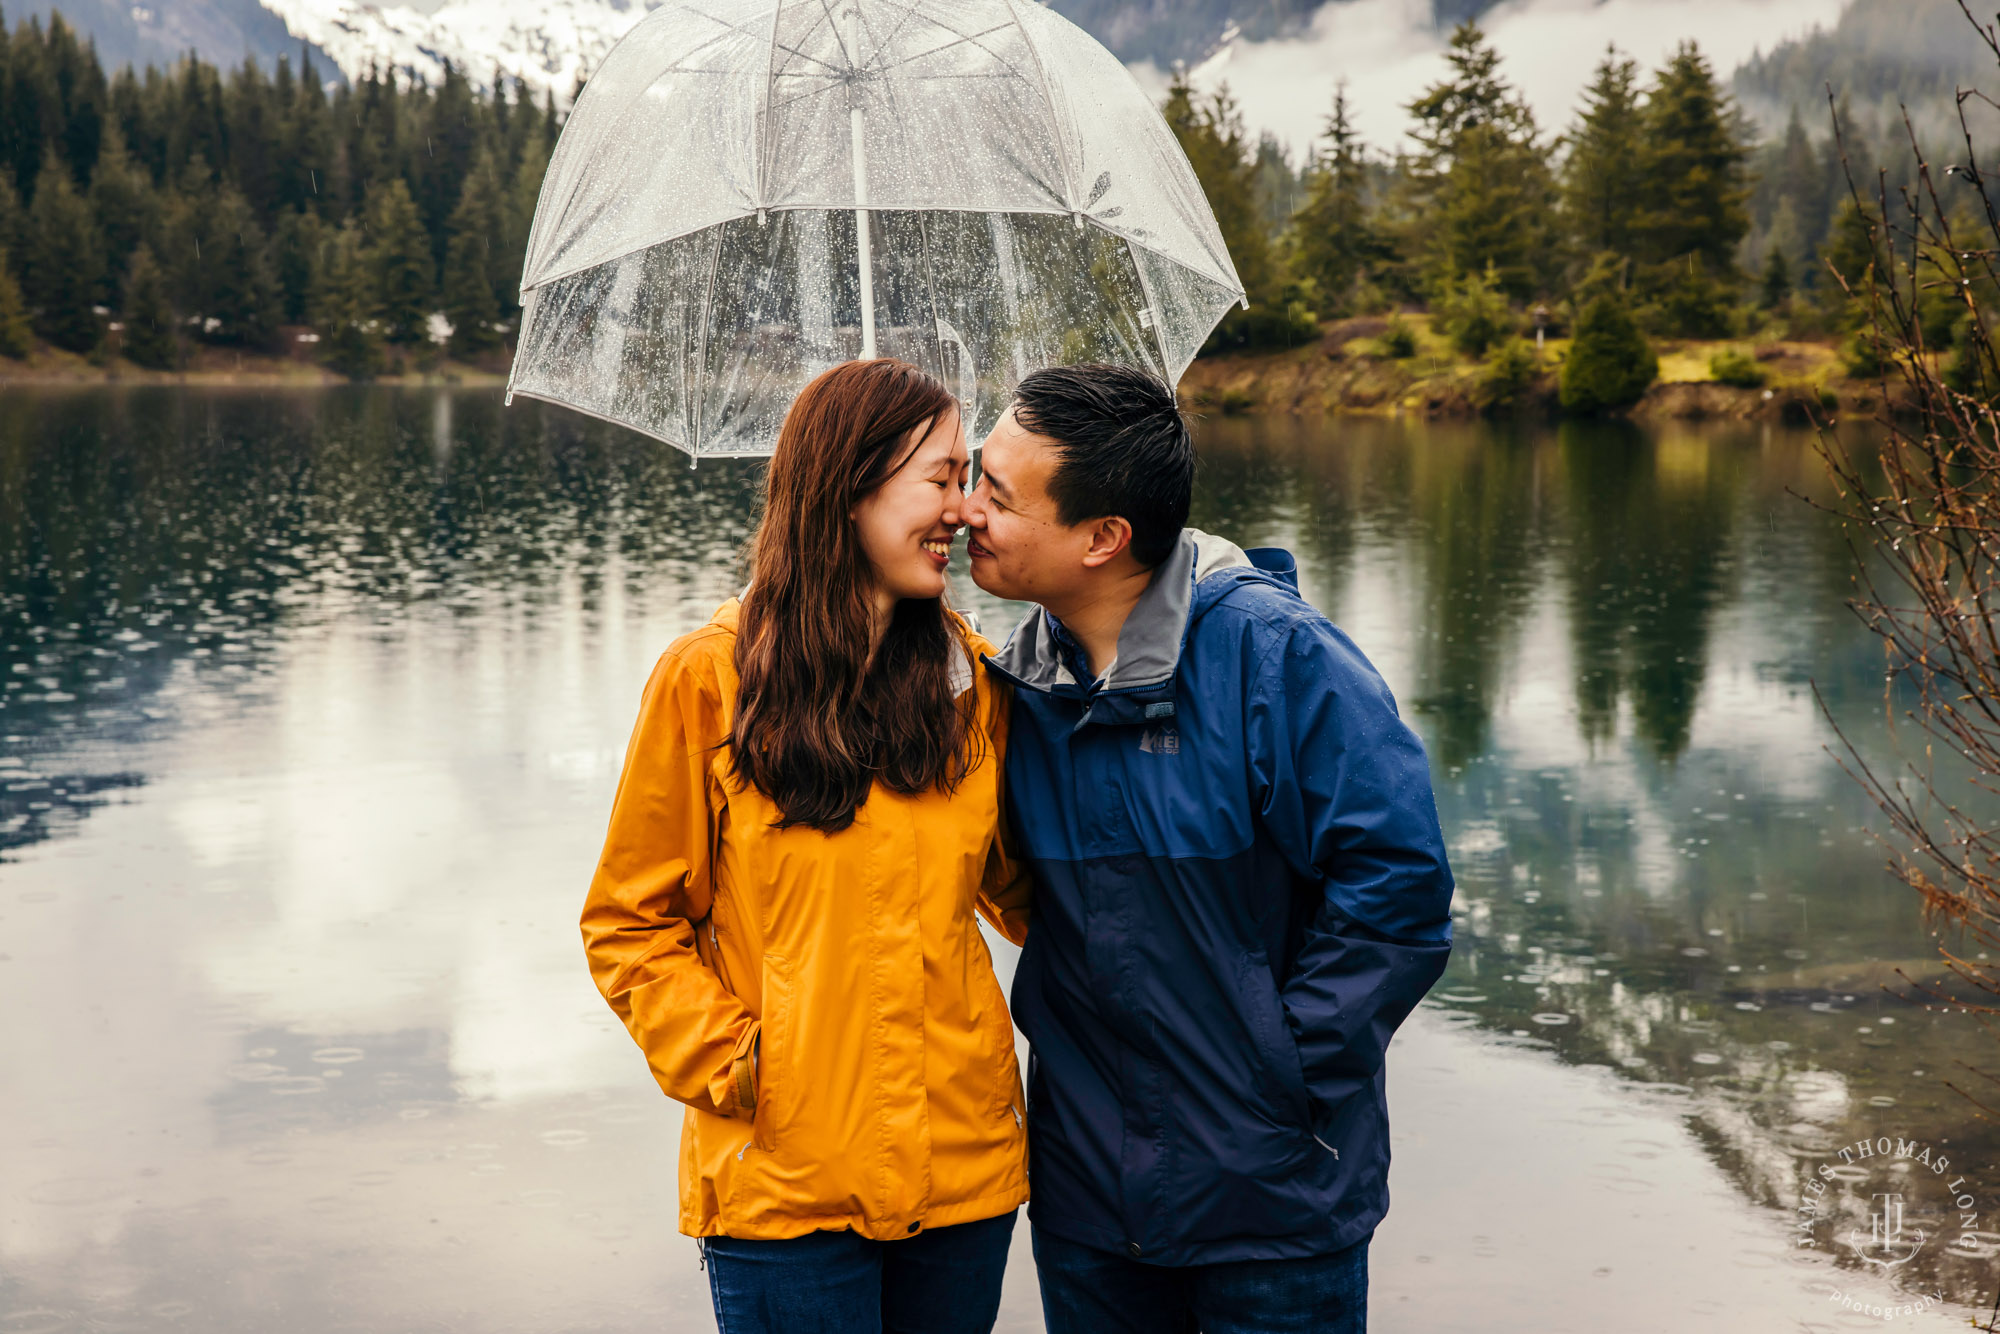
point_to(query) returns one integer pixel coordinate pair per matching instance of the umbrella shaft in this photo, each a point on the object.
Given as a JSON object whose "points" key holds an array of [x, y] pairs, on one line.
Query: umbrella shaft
{"points": [[864, 257]]}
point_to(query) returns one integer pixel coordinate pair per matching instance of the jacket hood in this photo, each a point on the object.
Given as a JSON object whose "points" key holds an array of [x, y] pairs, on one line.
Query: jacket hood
{"points": [[1201, 571]]}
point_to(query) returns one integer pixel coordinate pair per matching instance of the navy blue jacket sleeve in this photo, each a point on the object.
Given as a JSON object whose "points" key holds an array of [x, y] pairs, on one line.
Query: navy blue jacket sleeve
{"points": [[1344, 792]]}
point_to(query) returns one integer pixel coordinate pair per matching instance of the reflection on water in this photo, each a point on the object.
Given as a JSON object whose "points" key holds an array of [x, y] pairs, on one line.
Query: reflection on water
{"points": [[310, 706], [1610, 639]]}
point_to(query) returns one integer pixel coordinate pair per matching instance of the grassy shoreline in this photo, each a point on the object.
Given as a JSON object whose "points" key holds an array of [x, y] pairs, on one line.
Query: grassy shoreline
{"points": [[48, 366], [1346, 371]]}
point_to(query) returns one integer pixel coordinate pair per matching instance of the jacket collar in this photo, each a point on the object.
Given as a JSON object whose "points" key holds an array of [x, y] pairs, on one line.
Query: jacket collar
{"points": [[1140, 685]]}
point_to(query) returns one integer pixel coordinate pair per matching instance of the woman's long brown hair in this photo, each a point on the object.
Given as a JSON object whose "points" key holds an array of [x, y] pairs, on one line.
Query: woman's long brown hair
{"points": [[815, 724]]}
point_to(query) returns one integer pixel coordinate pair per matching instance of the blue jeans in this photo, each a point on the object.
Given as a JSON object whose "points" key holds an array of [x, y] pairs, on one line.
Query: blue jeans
{"points": [[1086, 1291], [944, 1281]]}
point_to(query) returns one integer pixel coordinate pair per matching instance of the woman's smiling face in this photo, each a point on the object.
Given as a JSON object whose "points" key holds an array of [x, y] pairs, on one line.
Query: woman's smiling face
{"points": [[906, 525]]}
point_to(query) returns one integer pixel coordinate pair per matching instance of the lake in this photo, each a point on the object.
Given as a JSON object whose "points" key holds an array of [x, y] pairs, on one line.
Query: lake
{"points": [[311, 705]]}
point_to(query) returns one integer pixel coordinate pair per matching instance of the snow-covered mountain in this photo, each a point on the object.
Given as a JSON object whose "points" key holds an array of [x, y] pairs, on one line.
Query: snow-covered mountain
{"points": [[545, 44]]}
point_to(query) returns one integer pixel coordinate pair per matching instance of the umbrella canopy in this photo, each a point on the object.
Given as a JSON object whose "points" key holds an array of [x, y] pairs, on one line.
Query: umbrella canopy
{"points": [[749, 191]]}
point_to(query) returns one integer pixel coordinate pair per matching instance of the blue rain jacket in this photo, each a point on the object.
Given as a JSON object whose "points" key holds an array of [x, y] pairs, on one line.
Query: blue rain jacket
{"points": [[1241, 892]]}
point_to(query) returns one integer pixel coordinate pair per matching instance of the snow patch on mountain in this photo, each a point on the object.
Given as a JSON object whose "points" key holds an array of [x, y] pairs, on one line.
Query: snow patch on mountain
{"points": [[546, 44]]}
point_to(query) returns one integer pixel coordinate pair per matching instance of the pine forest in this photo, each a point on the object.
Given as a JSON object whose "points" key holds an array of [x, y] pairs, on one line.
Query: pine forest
{"points": [[375, 224]]}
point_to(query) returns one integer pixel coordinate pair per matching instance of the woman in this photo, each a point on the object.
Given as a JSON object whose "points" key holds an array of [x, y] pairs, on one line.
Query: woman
{"points": [[784, 912]]}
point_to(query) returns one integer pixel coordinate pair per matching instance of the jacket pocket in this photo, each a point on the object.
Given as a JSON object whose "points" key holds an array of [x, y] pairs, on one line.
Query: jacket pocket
{"points": [[1277, 1056], [997, 1028], [774, 1094]]}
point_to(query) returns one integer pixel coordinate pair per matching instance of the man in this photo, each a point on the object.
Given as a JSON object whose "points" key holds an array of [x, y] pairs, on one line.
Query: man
{"points": [[1241, 885]]}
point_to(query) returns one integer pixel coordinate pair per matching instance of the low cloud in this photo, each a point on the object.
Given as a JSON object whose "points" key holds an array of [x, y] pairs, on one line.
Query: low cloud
{"points": [[1388, 51]]}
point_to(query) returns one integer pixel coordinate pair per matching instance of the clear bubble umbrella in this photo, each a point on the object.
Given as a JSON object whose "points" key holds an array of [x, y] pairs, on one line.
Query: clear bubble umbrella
{"points": [[749, 191]]}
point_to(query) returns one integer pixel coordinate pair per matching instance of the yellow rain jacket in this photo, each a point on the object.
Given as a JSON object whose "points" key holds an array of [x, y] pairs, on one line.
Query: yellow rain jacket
{"points": [[823, 1003]]}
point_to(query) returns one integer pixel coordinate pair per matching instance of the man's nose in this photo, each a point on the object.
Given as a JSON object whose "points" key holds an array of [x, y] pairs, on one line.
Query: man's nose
{"points": [[974, 507]]}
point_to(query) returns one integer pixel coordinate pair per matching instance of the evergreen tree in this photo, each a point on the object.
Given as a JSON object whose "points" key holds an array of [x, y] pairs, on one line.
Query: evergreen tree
{"points": [[150, 328], [1853, 251], [399, 252], [1473, 95], [199, 137], [14, 235], [55, 103], [1507, 376], [306, 131], [1335, 241], [236, 181], [1786, 236], [298, 247], [1850, 148], [1776, 286], [65, 268], [1800, 186], [1280, 189], [121, 194], [239, 297], [347, 308], [1482, 181], [1473, 313], [253, 120], [182, 225], [375, 120], [1968, 366], [469, 301], [1609, 364], [1601, 176], [1692, 168], [1690, 302], [17, 339], [1211, 133], [523, 192], [449, 134]]}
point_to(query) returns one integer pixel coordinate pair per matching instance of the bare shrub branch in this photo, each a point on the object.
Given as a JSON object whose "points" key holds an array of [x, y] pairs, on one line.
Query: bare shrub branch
{"points": [[1923, 509]]}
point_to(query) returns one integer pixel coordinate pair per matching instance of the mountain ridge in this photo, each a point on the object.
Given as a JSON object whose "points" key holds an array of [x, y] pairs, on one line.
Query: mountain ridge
{"points": [[160, 32], [546, 44], [1878, 52]]}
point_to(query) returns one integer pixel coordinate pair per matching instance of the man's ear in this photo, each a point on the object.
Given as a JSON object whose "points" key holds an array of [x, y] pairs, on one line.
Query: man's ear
{"points": [[1108, 537]]}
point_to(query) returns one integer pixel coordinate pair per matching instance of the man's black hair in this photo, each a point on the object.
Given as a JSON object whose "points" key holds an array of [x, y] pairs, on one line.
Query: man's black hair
{"points": [[1122, 448]]}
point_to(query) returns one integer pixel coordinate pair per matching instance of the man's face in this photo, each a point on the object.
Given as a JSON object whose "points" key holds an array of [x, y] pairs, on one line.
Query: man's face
{"points": [[1019, 549]]}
